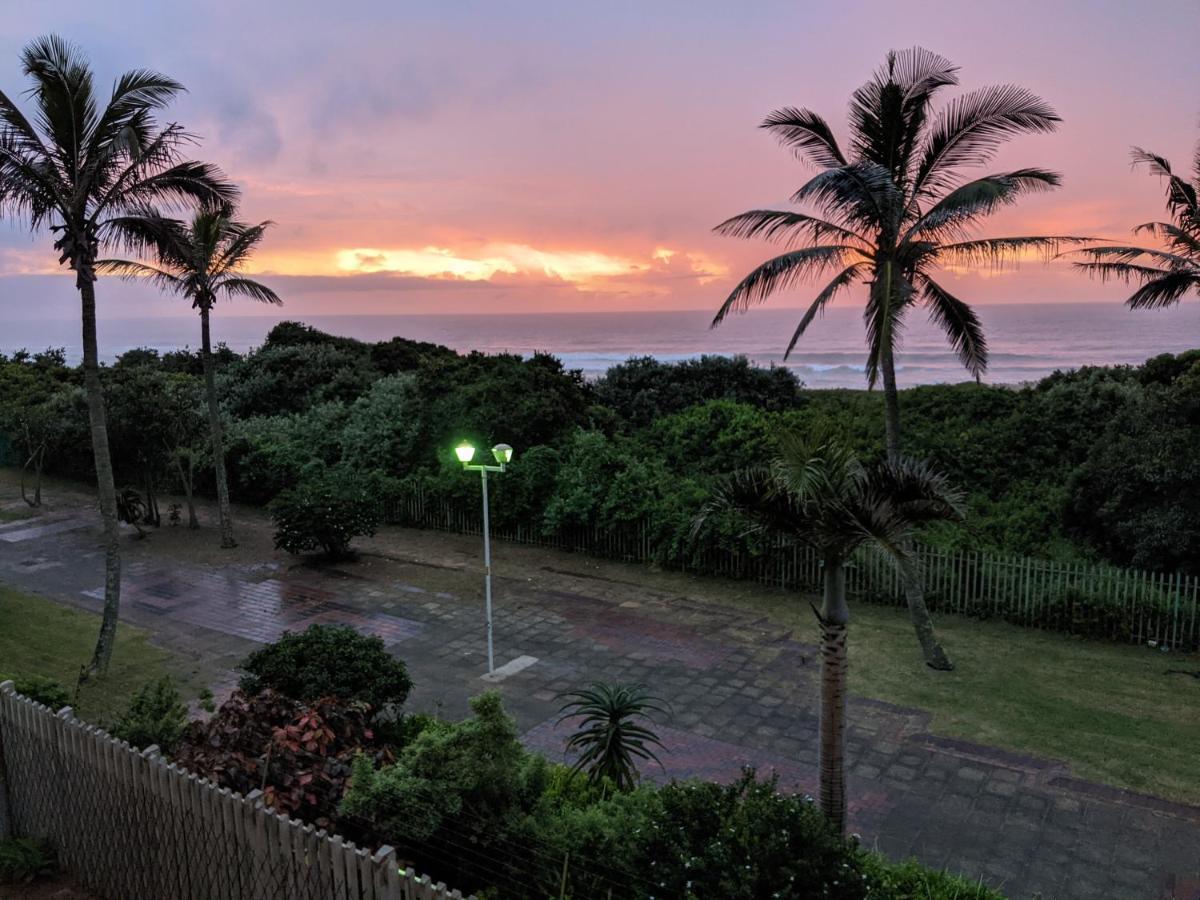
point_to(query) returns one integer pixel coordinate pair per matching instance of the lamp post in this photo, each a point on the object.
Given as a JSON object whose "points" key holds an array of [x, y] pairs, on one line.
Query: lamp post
{"points": [[503, 456]]}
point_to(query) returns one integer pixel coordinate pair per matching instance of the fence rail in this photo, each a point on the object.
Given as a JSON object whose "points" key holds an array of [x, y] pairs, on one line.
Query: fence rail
{"points": [[1126, 605], [128, 824]]}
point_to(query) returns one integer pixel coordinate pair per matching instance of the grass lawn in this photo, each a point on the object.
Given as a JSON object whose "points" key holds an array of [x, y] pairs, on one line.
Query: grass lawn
{"points": [[14, 515], [1108, 710], [41, 637]]}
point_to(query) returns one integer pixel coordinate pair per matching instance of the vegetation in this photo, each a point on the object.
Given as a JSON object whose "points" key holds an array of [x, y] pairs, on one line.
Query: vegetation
{"points": [[1169, 272], [607, 735], [202, 263], [156, 715], [328, 661], [41, 639], [23, 860], [890, 211], [40, 689], [325, 512], [91, 173], [818, 493]]}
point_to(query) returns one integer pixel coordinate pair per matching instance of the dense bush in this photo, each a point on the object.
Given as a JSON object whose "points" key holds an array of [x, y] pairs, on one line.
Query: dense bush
{"points": [[23, 860], [156, 715], [329, 661], [326, 512], [40, 689], [298, 754]]}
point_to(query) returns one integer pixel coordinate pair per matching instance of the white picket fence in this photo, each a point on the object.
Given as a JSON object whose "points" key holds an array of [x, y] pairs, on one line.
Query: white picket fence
{"points": [[129, 825], [1094, 600]]}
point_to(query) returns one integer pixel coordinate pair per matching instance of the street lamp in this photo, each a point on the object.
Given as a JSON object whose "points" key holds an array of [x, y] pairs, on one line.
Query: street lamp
{"points": [[503, 454]]}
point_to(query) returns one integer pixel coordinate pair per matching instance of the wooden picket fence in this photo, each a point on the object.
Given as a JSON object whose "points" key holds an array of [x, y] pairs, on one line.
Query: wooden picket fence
{"points": [[127, 824], [1099, 601]]}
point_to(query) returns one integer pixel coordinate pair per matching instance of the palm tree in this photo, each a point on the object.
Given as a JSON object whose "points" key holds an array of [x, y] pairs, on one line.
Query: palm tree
{"points": [[608, 737], [886, 213], [90, 174], [1169, 272], [818, 493], [202, 262]]}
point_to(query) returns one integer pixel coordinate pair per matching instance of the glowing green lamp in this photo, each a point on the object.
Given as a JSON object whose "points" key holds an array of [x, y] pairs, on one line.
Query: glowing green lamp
{"points": [[465, 452]]}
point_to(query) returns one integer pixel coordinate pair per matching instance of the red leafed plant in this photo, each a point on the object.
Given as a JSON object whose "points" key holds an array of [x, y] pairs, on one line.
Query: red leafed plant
{"points": [[297, 754]]}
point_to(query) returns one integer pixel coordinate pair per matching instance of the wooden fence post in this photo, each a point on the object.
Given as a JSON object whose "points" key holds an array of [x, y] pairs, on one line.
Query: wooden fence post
{"points": [[7, 691]]}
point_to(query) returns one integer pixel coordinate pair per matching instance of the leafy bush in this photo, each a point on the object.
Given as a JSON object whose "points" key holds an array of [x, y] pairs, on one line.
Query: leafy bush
{"points": [[326, 512], [328, 661], [40, 689], [23, 860], [156, 715], [912, 881], [298, 754]]}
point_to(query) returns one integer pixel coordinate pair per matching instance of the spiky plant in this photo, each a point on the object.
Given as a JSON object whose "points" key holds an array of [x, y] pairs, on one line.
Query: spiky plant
{"points": [[890, 208], [89, 173], [203, 262], [608, 737], [817, 492], [1167, 273]]}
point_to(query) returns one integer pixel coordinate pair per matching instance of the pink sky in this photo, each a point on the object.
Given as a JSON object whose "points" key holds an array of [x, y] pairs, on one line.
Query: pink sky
{"points": [[528, 156]]}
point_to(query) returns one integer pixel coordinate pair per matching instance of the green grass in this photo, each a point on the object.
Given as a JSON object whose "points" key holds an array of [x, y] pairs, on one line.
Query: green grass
{"points": [[14, 515], [41, 637], [1107, 709]]}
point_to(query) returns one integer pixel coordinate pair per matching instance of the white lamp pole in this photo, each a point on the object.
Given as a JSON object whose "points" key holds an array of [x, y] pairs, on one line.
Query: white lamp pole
{"points": [[503, 454]]}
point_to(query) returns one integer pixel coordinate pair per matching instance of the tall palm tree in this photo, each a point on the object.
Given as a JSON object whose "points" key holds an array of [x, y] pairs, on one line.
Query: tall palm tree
{"points": [[889, 209], [818, 493], [201, 263], [1170, 271], [89, 174]]}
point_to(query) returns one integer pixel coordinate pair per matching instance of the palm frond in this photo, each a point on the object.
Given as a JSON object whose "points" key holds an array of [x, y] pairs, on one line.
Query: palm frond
{"points": [[780, 273], [981, 197], [884, 319], [997, 252], [132, 270], [1165, 291], [960, 325], [807, 134], [782, 225], [971, 128], [246, 287], [840, 281]]}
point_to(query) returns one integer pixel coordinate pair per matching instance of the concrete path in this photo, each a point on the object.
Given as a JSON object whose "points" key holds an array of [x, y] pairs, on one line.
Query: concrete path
{"points": [[741, 694]]}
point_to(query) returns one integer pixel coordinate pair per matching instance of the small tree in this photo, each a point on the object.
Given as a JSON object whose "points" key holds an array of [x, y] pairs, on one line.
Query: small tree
{"points": [[325, 513], [156, 715], [608, 737]]}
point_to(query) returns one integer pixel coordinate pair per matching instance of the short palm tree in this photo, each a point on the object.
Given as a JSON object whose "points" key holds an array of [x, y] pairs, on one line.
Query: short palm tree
{"points": [[888, 210], [202, 262], [608, 737], [1172, 270], [817, 492], [90, 173]]}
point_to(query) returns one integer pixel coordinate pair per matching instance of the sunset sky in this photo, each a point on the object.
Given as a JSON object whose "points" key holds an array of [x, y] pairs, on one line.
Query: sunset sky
{"points": [[527, 156]]}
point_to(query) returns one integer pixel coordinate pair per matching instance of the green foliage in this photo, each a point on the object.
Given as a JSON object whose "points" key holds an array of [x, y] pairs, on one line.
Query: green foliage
{"points": [[472, 775], [156, 715], [23, 860], [608, 736], [40, 689], [912, 881], [328, 661], [326, 512]]}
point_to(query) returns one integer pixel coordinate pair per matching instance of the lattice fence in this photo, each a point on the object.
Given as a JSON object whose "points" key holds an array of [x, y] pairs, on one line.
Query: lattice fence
{"points": [[128, 825]]}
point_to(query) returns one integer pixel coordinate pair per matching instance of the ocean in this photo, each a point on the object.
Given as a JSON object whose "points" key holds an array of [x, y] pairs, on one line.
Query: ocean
{"points": [[1027, 341]]}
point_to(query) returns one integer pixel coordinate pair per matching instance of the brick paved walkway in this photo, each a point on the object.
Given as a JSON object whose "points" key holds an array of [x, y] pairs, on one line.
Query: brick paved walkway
{"points": [[741, 694]]}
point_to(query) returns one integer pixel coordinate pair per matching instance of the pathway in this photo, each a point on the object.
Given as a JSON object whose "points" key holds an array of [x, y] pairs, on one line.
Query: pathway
{"points": [[741, 694]]}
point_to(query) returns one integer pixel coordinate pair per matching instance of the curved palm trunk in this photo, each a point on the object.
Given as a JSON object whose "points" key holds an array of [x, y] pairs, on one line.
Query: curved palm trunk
{"points": [[105, 485], [214, 422], [833, 617], [914, 593]]}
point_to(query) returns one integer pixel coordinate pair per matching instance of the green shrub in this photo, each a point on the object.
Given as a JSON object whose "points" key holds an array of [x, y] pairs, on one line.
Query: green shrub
{"points": [[40, 689], [912, 881], [328, 661], [23, 860], [156, 715], [326, 512]]}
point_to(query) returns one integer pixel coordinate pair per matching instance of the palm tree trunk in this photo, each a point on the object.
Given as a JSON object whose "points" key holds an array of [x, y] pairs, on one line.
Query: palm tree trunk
{"points": [[105, 485], [914, 592], [833, 617], [214, 422]]}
